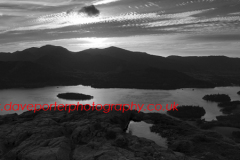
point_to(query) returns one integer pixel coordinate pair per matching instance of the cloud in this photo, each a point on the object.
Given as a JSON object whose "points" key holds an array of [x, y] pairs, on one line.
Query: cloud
{"points": [[217, 37], [101, 2], [51, 20], [90, 11]]}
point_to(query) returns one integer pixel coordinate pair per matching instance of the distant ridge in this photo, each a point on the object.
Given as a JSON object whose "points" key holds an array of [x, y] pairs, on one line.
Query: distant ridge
{"points": [[120, 68]]}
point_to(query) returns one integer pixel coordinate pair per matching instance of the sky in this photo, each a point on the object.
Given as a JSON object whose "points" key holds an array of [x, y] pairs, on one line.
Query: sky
{"points": [[159, 27]]}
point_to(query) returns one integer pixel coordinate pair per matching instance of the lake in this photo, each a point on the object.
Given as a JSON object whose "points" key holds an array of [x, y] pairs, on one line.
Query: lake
{"points": [[48, 95]]}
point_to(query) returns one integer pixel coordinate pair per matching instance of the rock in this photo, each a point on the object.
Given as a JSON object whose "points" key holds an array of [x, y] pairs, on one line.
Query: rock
{"points": [[57, 148], [120, 141], [179, 154], [86, 152], [81, 134], [8, 118], [183, 146], [111, 134], [149, 121], [137, 117], [110, 155], [117, 130], [2, 148], [29, 114], [139, 154]]}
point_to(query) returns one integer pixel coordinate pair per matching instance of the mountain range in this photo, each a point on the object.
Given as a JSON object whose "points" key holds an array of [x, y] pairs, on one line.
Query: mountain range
{"points": [[114, 68]]}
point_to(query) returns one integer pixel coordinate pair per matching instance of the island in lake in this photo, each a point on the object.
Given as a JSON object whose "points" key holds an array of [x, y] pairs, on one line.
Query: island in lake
{"points": [[185, 112], [229, 107], [217, 98], [238, 93], [74, 96]]}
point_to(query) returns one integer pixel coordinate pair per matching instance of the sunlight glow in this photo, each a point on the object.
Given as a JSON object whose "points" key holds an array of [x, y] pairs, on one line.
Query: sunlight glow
{"points": [[95, 42], [104, 2]]}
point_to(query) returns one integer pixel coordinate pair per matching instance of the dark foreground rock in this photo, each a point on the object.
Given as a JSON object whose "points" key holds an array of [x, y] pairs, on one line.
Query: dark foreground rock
{"points": [[74, 96], [94, 135], [79, 135], [236, 136]]}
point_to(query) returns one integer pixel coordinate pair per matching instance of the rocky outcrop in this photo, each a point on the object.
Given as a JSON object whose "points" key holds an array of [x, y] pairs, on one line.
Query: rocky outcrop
{"points": [[55, 135], [94, 135]]}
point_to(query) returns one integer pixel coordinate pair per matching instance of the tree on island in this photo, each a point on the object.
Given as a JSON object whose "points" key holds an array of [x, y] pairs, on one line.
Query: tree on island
{"points": [[217, 98], [188, 112], [238, 93]]}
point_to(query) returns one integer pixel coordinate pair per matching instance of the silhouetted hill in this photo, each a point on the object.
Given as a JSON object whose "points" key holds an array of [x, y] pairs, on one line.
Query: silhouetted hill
{"points": [[29, 74], [220, 70], [49, 53], [209, 62], [150, 78], [32, 54], [116, 67], [140, 58]]}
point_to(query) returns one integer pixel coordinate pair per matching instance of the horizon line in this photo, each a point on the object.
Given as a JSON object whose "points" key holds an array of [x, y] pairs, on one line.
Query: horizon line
{"points": [[113, 47]]}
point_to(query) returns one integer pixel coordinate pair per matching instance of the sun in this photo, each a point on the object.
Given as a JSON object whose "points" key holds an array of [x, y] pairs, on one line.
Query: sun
{"points": [[94, 42], [97, 42]]}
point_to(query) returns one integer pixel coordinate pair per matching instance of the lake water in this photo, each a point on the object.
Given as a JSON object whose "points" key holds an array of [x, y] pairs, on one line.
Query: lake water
{"points": [[48, 95], [142, 129]]}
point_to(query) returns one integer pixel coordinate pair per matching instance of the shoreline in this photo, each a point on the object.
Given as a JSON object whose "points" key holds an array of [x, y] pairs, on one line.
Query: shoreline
{"points": [[139, 88]]}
